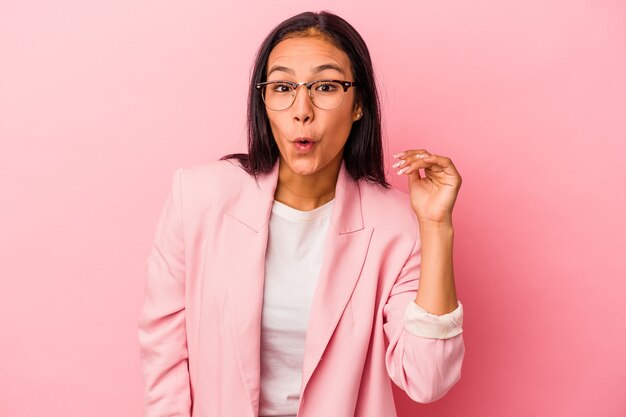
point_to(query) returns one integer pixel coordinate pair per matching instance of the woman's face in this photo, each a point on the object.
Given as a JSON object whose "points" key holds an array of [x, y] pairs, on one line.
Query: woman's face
{"points": [[329, 129]]}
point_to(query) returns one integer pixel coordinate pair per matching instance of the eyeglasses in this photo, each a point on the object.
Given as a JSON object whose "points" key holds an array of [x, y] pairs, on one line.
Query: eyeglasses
{"points": [[325, 94]]}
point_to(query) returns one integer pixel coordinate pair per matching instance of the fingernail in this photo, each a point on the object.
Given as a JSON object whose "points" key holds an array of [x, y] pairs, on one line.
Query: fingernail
{"points": [[402, 170], [399, 154], [399, 163]]}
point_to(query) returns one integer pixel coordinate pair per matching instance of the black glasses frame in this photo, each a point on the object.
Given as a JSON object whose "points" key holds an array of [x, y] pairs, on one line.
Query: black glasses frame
{"points": [[308, 85]]}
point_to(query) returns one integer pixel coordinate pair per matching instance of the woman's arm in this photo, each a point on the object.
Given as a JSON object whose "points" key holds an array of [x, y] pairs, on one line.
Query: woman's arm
{"points": [[426, 347], [161, 326], [432, 198], [437, 293]]}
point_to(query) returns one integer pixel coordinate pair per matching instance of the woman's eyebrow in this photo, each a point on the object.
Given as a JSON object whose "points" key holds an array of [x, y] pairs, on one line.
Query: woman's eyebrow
{"points": [[317, 69]]}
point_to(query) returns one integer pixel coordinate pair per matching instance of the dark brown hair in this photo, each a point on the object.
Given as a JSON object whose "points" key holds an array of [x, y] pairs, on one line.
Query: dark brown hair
{"points": [[363, 152]]}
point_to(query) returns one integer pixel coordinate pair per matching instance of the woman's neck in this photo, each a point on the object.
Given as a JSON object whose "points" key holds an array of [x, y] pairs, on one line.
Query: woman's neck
{"points": [[306, 192]]}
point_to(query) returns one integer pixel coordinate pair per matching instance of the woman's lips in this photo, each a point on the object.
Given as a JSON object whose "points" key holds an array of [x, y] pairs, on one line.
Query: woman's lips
{"points": [[304, 147]]}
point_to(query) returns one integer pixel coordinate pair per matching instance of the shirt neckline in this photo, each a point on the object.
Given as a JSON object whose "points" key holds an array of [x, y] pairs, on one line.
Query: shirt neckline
{"points": [[284, 210]]}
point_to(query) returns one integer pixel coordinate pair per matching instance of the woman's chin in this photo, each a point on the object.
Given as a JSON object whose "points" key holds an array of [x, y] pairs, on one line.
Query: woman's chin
{"points": [[303, 167]]}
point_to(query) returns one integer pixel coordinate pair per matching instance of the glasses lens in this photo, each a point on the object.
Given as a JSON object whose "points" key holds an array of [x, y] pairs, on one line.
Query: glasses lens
{"points": [[327, 94], [278, 96]]}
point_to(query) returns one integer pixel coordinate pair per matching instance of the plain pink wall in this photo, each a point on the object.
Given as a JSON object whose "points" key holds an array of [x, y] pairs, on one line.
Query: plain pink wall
{"points": [[101, 101]]}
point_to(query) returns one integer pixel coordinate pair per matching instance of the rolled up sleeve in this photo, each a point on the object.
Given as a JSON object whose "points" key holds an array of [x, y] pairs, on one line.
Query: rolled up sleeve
{"points": [[420, 322]]}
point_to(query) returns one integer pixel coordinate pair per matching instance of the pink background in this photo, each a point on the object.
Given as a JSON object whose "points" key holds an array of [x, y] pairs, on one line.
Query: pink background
{"points": [[101, 101]]}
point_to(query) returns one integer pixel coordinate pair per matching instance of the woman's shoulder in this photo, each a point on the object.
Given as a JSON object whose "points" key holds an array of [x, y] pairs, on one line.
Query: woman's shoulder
{"points": [[387, 206], [208, 181]]}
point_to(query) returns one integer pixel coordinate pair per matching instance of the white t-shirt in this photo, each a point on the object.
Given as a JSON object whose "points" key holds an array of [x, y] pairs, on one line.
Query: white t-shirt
{"points": [[292, 265]]}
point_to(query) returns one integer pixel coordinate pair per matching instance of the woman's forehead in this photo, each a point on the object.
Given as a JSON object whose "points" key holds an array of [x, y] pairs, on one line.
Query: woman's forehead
{"points": [[308, 54]]}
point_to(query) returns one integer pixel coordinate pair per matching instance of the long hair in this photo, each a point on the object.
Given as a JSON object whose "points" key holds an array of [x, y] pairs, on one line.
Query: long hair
{"points": [[363, 152]]}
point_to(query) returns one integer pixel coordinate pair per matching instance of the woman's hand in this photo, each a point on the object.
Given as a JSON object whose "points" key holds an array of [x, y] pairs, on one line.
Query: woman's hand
{"points": [[432, 195]]}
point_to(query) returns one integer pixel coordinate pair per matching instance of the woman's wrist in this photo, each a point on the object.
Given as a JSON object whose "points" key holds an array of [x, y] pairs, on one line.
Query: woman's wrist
{"points": [[426, 225]]}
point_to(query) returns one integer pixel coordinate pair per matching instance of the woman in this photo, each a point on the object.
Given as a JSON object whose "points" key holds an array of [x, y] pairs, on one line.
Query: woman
{"points": [[284, 281]]}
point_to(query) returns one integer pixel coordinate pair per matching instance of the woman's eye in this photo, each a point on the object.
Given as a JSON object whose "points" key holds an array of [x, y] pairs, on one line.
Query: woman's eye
{"points": [[282, 88], [326, 87]]}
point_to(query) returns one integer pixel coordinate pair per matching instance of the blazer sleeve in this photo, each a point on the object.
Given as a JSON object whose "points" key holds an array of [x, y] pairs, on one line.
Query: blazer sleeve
{"points": [[161, 325], [425, 351]]}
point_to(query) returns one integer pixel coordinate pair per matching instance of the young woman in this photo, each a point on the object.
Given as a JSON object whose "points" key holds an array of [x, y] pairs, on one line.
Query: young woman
{"points": [[285, 281]]}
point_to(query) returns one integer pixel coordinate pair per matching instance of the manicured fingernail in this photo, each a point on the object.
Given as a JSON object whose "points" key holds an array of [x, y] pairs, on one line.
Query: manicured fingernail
{"points": [[399, 163], [399, 154], [402, 170]]}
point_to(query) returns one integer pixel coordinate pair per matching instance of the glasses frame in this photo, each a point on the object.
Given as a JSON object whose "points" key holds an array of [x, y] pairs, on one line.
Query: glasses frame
{"points": [[308, 85]]}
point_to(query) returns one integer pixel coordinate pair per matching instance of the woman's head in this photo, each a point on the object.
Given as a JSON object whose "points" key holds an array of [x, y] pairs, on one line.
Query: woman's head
{"points": [[351, 131]]}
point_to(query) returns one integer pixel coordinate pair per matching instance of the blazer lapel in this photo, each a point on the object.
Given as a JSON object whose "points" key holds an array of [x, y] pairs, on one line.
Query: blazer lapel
{"points": [[245, 233], [344, 254], [247, 228]]}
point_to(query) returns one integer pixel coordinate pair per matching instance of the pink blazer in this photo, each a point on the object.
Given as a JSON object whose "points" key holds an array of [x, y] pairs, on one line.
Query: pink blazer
{"points": [[199, 327]]}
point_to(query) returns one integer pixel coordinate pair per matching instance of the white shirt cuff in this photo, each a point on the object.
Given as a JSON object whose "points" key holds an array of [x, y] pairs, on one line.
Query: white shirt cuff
{"points": [[419, 322]]}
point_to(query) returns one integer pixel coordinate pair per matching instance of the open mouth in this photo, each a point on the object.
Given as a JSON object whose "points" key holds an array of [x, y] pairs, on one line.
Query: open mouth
{"points": [[303, 146]]}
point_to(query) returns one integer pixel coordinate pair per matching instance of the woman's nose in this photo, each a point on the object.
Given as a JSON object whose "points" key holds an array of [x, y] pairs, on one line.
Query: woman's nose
{"points": [[302, 106]]}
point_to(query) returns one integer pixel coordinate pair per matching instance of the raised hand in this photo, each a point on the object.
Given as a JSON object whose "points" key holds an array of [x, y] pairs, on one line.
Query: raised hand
{"points": [[432, 195]]}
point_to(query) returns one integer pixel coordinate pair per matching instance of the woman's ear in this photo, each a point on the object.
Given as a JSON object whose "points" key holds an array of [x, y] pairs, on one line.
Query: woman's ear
{"points": [[358, 112]]}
